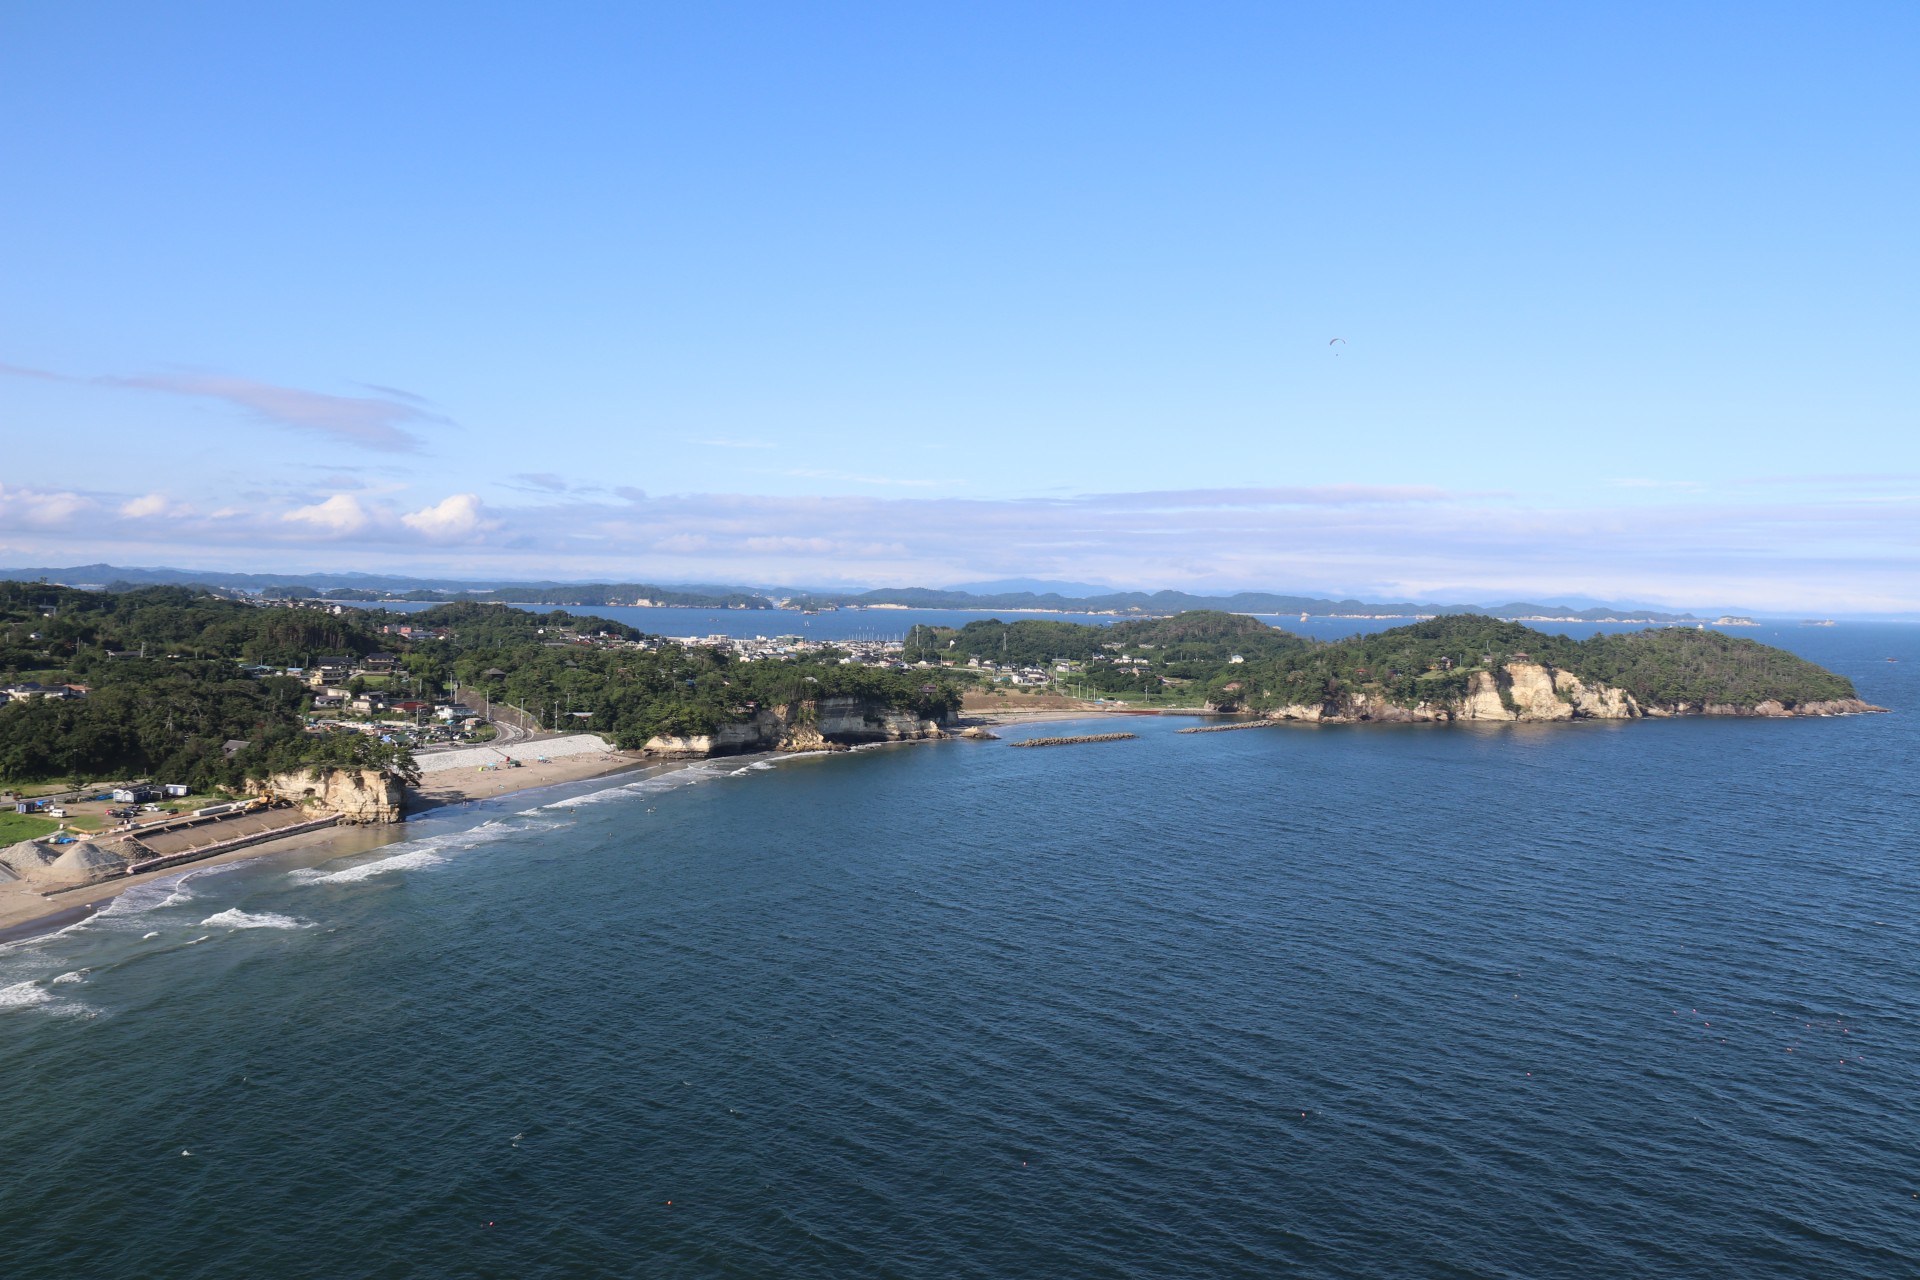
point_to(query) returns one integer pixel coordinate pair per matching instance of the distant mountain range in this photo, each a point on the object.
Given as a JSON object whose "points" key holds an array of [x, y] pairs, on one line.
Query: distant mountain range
{"points": [[364, 587], [1008, 594], [1039, 586]]}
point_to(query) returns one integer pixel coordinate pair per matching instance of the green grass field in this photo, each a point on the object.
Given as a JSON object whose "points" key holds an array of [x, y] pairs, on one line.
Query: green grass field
{"points": [[15, 827]]}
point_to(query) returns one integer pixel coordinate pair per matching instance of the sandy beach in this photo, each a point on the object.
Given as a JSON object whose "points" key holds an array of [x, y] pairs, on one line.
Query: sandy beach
{"points": [[24, 912]]}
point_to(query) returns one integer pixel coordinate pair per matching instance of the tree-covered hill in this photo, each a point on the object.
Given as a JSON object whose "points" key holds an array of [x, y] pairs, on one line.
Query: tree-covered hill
{"points": [[1434, 660], [1201, 635], [165, 686], [78, 630], [171, 675]]}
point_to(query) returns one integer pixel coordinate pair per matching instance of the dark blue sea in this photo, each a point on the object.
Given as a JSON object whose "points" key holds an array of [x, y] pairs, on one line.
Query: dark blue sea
{"points": [[1591, 1000]]}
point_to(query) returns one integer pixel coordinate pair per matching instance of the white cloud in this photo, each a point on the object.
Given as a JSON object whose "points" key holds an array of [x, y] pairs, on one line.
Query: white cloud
{"points": [[452, 519], [1813, 551], [41, 508], [152, 505], [374, 422], [341, 515]]}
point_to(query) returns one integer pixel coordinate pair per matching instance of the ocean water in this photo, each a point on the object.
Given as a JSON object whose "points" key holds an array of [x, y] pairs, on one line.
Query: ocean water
{"points": [[1489, 1001]]}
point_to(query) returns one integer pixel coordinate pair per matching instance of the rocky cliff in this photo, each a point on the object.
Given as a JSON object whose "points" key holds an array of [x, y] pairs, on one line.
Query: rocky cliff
{"points": [[829, 724], [356, 795], [1534, 691]]}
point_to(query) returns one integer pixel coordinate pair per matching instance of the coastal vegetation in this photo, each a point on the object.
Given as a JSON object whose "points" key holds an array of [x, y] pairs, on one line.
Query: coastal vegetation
{"points": [[185, 684], [1132, 658], [212, 691], [550, 666], [1235, 662], [1435, 661]]}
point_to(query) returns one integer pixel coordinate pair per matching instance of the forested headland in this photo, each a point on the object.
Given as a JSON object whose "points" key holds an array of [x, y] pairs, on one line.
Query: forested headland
{"points": [[167, 680], [1233, 662]]}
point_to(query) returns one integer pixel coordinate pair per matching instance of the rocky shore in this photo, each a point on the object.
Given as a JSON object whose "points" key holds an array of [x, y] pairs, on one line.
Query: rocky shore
{"points": [[828, 724], [1533, 691]]}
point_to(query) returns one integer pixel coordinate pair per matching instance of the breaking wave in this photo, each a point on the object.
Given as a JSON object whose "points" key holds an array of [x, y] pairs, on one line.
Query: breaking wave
{"points": [[24, 995], [669, 781], [411, 861], [234, 918], [31, 995], [429, 851]]}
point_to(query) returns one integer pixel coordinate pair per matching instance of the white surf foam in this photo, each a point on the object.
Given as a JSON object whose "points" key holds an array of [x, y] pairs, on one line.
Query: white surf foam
{"points": [[429, 851], [671, 780], [235, 918], [75, 976], [24, 995], [142, 898], [121, 913], [411, 861], [31, 995]]}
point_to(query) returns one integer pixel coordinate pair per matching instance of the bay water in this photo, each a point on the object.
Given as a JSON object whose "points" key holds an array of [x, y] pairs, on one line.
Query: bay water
{"points": [[1525, 1000]]}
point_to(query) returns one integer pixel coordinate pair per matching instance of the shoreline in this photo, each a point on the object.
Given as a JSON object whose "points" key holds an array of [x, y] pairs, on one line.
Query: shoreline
{"points": [[25, 913]]}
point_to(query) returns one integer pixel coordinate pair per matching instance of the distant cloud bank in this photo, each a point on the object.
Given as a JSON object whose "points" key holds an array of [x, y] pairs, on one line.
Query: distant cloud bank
{"points": [[1853, 552]]}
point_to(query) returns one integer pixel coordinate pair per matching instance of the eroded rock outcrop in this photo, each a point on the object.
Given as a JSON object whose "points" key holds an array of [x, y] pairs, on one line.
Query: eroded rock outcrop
{"points": [[1526, 690], [1598, 702], [1483, 700], [828, 724], [354, 795]]}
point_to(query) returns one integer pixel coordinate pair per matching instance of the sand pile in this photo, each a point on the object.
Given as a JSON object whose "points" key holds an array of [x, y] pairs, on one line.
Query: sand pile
{"points": [[83, 862], [59, 866], [26, 859]]}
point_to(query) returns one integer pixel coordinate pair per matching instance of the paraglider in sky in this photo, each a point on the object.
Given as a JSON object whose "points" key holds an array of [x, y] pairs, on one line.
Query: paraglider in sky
{"points": [[1341, 341]]}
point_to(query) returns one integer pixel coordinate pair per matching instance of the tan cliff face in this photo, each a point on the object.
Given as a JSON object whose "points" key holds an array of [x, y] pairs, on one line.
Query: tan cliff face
{"points": [[1600, 702], [1526, 690], [1483, 700], [830, 724], [355, 795], [1519, 690]]}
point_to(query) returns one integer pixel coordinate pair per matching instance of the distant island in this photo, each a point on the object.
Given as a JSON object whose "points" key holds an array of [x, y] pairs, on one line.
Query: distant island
{"points": [[361, 588], [1172, 602]]}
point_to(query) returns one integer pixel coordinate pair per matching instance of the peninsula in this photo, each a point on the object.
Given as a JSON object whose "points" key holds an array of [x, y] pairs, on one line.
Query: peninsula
{"points": [[146, 728], [1457, 667]]}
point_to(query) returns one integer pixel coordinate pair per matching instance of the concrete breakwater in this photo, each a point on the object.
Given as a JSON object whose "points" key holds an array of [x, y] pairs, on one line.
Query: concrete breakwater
{"points": [[1073, 742], [1228, 728], [227, 846]]}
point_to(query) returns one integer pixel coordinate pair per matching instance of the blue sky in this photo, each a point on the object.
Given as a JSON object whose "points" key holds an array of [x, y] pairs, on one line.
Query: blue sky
{"points": [[905, 294]]}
